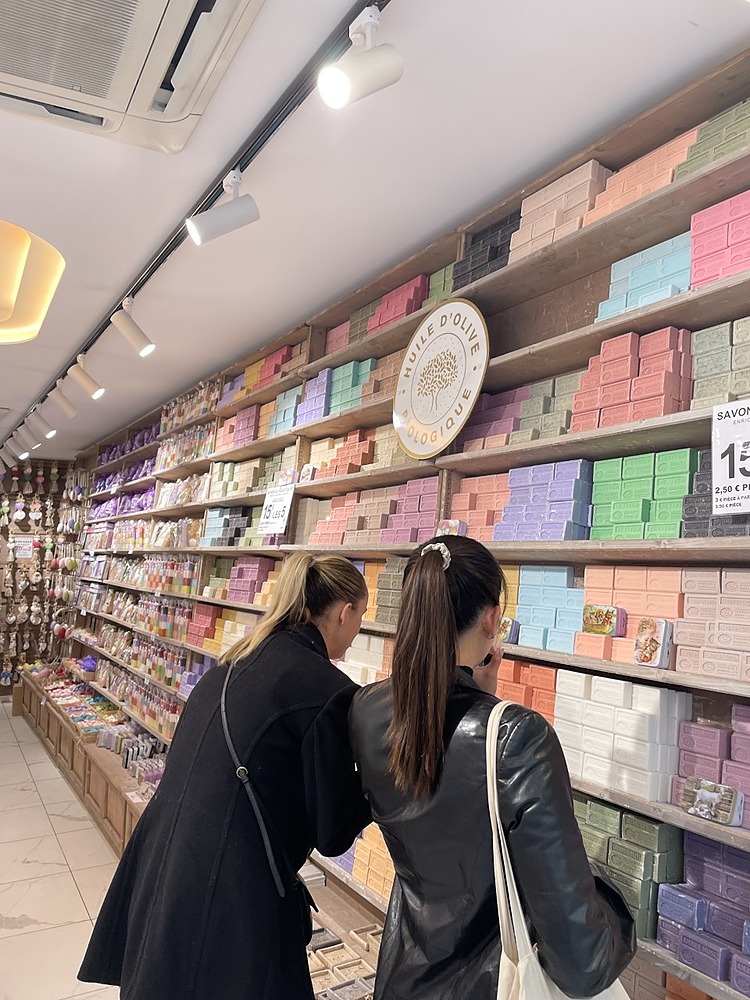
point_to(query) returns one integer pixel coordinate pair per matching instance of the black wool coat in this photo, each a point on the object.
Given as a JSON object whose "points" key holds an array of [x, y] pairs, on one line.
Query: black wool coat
{"points": [[193, 912]]}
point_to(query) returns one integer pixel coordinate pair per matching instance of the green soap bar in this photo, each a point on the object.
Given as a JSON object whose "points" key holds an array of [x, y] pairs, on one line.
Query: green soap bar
{"points": [[714, 385], [638, 893], [716, 363], [580, 807], [733, 144], [566, 385], [544, 388], [553, 432], [602, 534], [740, 384], [525, 435], [687, 168], [531, 423], [558, 419], [563, 402], [704, 404], [628, 532], [671, 487], [741, 357], [638, 489], [595, 843], [714, 125], [638, 466], [741, 331], [713, 338], [667, 867], [675, 463], [648, 833], [630, 859], [663, 529], [602, 515], [645, 922], [603, 817], [536, 406], [608, 471], [666, 510], [606, 492], [631, 511]]}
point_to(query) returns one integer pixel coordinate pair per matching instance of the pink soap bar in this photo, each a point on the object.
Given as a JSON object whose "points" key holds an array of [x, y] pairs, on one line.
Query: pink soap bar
{"points": [[741, 748], [583, 402], [709, 268], [710, 242], [588, 421], [710, 741], [739, 206], [739, 231], [619, 370], [653, 386], [684, 341], [737, 775], [695, 765], [645, 409], [741, 718], [667, 339], [668, 361], [611, 416], [686, 365], [590, 380], [711, 218], [619, 347], [616, 393], [686, 388], [738, 257], [595, 365]]}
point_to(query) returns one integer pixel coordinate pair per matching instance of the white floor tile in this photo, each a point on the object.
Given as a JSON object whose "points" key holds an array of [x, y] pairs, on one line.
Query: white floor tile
{"points": [[19, 796], [32, 858], [12, 774], [108, 993], [43, 965], [54, 790], [40, 772], [34, 753], [93, 884], [23, 824], [69, 816], [10, 755], [38, 904], [23, 731], [7, 737], [86, 849]]}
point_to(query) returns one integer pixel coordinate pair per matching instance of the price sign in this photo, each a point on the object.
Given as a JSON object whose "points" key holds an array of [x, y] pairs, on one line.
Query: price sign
{"points": [[24, 547], [730, 458], [276, 507]]}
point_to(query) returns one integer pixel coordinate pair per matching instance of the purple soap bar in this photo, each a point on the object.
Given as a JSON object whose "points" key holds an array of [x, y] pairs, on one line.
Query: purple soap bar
{"points": [[741, 718], [741, 747], [535, 513], [504, 533], [527, 532], [737, 861], [684, 905], [706, 954], [569, 489], [737, 776], [578, 468], [668, 934], [710, 741], [514, 514], [705, 876], [543, 473], [539, 493], [572, 510], [740, 974], [520, 477], [564, 531], [702, 847], [695, 765], [521, 495], [737, 889], [746, 938], [726, 921]]}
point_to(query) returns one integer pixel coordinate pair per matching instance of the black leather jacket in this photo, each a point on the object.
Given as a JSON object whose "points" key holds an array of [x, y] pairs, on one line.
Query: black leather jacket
{"points": [[441, 940]]}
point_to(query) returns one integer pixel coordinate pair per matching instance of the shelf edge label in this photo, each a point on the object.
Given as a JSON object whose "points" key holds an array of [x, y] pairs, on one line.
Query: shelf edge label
{"points": [[730, 458]]}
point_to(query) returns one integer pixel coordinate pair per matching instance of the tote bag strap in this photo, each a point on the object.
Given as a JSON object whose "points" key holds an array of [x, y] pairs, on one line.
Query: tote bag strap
{"points": [[513, 930]]}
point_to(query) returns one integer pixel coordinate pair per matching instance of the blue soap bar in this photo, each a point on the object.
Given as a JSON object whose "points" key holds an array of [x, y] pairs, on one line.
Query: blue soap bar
{"points": [[612, 307], [560, 641], [574, 598], [659, 295], [538, 616], [622, 268], [645, 273], [554, 597], [572, 510], [681, 242], [529, 595], [683, 905], [680, 280], [530, 635], [576, 468], [675, 262], [619, 287], [569, 619]]}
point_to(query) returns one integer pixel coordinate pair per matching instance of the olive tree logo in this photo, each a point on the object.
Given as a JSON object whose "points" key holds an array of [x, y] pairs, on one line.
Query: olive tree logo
{"points": [[439, 374]]}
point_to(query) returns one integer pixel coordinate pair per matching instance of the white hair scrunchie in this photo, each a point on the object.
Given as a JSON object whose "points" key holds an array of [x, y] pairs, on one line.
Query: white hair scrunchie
{"points": [[440, 547]]}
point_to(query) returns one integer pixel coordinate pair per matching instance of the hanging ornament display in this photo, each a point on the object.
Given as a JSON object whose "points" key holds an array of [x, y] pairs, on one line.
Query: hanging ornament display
{"points": [[27, 473]]}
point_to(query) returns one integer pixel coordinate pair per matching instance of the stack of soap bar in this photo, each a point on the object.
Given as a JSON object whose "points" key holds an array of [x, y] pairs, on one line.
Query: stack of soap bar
{"points": [[203, 624], [354, 451], [381, 383], [721, 135], [238, 430], [262, 373], [390, 582], [347, 382], [640, 496], [712, 636], [478, 502], [550, 608], [309, 512], [558, 209], [216, 630], [337, 337], [696, 512], [485, 251], [705, 921], [316, 399], [415, 515], [644, 981], [264, 595], [388, 450], [723, 370], [703, 751], [509, 601], [549, 502], [528, 684], [225, 526], [218, 580], [370, 571], [372, 862], [363, 659], [721, 240], [359, 320], [275, 466], [634, 378], [441, 286], [493, 419], [619, 734], [235, 478], [402, 301], [638, 854], [649, 276], [642, 177], [355, 518], [247, 577]]}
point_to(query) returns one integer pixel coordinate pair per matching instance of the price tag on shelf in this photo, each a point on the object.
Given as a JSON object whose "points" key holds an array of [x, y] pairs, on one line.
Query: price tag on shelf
{"points": [[276, 507], [24, 547], [730, 458]]}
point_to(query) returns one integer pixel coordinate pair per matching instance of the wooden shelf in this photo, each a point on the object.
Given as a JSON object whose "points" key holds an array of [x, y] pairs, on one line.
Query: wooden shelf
{"points": [[166, 740], [665, 960], [376, 345], [672, 551], [735, 836], [340, 875], [367, 415], [356, 552], [667, 678], [272, 551], [261, 448], [256, 397], [369, 480], [378, 628], [132, 487], [105, 693], [691, 429], [140, 552], [715, 303], [138, 588], [185, 469], [207, 418], [111, 764], [145, 451]]}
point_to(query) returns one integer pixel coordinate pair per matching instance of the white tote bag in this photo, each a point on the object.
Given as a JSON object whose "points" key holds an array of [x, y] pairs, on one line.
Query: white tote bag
{"points": [[521, 976]]}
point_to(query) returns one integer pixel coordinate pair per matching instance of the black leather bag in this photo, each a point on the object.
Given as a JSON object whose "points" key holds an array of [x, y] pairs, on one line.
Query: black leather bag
{"points": [[294, 883]]}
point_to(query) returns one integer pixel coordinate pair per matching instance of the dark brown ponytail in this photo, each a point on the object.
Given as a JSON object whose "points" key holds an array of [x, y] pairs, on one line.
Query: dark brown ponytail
{"points": [[437, 605]]}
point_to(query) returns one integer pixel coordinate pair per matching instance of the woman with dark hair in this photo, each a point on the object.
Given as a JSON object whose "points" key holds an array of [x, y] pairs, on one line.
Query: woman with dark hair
{"points": [[419, 742], [205, 904]]}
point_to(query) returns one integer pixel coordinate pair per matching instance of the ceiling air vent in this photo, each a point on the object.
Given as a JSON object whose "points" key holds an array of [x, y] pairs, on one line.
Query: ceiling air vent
{"points": [[142, 71]]}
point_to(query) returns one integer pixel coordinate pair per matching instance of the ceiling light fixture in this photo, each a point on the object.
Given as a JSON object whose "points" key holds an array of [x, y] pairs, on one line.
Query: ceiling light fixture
{"points": [[3, 470], [29, 438], [22, 312], [124, 323], [365, 69], [6, 456], [62, 402], [86, 382], [40, 425], [18, 446], [240, 211]]}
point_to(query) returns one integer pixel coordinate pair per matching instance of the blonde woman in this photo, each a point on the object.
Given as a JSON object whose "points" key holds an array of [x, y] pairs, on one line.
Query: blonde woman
{"points": [[205, 904]]}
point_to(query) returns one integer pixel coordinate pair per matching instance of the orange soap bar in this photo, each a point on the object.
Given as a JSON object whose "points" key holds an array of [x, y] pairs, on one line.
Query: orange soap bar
{"points": [[510, 671], [599, 577], [664, 605], [543, 678], [631, 578], [622, 650], [544, 702], [597, 646], [521, 694], [596, 595], [664, 579]]}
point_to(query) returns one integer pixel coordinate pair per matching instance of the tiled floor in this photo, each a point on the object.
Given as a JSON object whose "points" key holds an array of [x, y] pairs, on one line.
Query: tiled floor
{"points": [[55, 867]]}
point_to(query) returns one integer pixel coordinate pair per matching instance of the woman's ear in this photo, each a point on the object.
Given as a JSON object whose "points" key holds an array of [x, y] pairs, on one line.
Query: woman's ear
{"points": [[491, 621], [346, 610]]}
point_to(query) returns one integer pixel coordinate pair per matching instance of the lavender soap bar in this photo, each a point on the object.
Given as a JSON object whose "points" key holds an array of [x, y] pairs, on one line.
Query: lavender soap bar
{"points": [[706, 954], [683, 905]]}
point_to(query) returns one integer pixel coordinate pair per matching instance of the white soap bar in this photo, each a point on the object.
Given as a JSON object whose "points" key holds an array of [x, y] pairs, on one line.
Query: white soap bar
{"points": [[612, 691], [570, 734], [645, 727], [569, 709], [596, 716], [377, 644], [645, 756], [359, 641], [598, 743], [662, 701], [647, 785], [574, 760], [598, 770], [572, 683]]}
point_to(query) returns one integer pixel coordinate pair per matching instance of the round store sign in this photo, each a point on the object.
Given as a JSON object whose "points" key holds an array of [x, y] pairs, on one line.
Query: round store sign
{"points": [[440, 378]]}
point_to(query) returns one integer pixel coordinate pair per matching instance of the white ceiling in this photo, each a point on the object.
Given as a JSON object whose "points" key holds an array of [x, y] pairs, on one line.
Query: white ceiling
{"points": [[493, 93]]}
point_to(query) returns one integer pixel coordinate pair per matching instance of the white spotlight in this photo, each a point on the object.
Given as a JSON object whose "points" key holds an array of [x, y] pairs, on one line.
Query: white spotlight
{"points": [[18, 446], [60, 400], [365, 69], [223, 219], [40, 425], [86, 382], [6, 456], [26, 436], [124, 323]]}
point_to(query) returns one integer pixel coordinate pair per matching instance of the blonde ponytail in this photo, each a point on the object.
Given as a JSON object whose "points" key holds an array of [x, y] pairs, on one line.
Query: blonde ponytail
{"points": [[307, 586]]}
